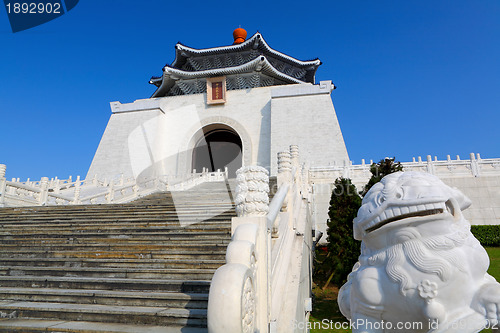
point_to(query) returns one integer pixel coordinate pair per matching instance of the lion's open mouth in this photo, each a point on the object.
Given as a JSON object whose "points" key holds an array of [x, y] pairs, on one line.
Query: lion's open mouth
{"points": [[404, 216], [398, 213]]}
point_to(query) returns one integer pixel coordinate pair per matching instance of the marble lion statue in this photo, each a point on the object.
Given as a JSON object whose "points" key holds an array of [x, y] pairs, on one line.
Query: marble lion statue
{"points": [[420, 268]]}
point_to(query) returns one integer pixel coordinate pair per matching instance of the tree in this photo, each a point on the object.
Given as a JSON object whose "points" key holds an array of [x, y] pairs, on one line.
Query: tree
{"points": [[380, 170], [343, 249]]}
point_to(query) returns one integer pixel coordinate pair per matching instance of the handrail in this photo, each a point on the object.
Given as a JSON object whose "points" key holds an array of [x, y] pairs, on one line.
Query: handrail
{"points": [[269, 249], [276, 204], [64, 192], [24, 187]]}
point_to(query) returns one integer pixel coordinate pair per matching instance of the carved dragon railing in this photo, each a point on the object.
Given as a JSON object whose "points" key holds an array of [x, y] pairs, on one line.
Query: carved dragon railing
{"points": [[265, 285]]}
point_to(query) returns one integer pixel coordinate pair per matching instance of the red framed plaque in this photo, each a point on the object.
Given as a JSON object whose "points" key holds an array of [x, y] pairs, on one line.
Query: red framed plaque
{"points": [[216, 90]]}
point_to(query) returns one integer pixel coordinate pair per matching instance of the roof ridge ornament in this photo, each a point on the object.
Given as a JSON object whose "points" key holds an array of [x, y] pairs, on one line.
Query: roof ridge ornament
{"points": [[239, 35]]}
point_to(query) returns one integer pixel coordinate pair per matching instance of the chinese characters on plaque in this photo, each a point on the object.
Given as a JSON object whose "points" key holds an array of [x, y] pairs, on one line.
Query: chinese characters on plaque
{"points": [[216, 90]]}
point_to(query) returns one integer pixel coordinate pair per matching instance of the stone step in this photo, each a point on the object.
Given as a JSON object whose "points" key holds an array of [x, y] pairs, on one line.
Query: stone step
{"points": [[106, 272], [117, 254], [159, 222], [113, 263], [202, 216], [159, 235], [106, 241], [106, 297], [42, 211], [110, 216], [179, 286], [180, 240], [58, 326], [113, 268], [138, 247], [163, 211], [116, 230], [107, 313]]}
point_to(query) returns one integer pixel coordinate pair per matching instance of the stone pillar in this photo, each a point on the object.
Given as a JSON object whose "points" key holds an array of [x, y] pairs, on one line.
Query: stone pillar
{"points": [[294, 154], [474, 168], [111, 193], [430, 165], [284, 168], [3, 184], [76, 200], [3, 169], [44, 191], [252, 191]]}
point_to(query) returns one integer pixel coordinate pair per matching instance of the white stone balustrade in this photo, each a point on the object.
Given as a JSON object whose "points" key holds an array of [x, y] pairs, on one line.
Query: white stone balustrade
{"points": [[259, 289], [57, 191], [475, 166]]}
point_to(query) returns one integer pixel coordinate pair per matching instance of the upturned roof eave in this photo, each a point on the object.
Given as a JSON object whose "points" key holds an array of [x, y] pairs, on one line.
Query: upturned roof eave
{"points": [[252, 66], [248, 44]]}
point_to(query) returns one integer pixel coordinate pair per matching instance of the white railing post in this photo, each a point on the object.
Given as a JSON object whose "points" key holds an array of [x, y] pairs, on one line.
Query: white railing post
{"points": [[294, 155], [239, 298], [284, 168], [76, 199], [474, 168], [57, 186], [3, 184], [284, 172], [111, 193], [430, 165], [44, 191], [135, 188]]}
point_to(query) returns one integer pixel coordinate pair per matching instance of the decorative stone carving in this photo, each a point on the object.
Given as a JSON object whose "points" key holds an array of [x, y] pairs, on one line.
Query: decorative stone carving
{"points": [[419, 261], [252, 191], [232, 304], [284, 162], [294, 154], [284, 169], [248, 307]]}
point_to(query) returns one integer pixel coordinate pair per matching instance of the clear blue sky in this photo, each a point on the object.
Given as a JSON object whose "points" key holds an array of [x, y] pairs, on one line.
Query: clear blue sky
{"points": [[413, 77]]}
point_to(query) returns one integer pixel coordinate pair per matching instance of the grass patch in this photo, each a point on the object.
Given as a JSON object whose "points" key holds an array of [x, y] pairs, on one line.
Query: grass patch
{"points": [[325, 307], [494, 254], [325, 301]]}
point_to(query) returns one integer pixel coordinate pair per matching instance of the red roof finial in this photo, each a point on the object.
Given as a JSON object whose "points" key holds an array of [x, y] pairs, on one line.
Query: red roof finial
{"points": [[239, 35]]}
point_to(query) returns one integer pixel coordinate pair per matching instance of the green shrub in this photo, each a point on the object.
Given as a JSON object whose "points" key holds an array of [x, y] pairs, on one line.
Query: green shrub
{"points": [[343, 250], [487, 235]]}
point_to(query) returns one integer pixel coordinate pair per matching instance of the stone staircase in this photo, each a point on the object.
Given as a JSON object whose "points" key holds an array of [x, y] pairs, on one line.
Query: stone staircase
{"points": [[145, 266]]}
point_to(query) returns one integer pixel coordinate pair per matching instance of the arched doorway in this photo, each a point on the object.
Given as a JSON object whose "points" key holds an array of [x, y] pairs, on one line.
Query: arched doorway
{"points": [[219, 147]]}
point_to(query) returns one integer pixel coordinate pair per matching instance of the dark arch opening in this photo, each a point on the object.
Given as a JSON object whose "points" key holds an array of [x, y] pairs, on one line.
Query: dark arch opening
{"points": [[217, 149]]}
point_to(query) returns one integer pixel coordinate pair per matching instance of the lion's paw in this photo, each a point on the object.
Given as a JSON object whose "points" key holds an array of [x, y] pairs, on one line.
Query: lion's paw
{"points": [[487, 302]]}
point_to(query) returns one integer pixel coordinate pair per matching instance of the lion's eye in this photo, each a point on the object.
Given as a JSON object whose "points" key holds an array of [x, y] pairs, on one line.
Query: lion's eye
{"points": [[380, 199]]}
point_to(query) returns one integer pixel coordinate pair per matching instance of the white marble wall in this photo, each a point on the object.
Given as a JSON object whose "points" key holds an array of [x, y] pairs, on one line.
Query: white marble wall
{"points": [[156, 135], [304, 115]]}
